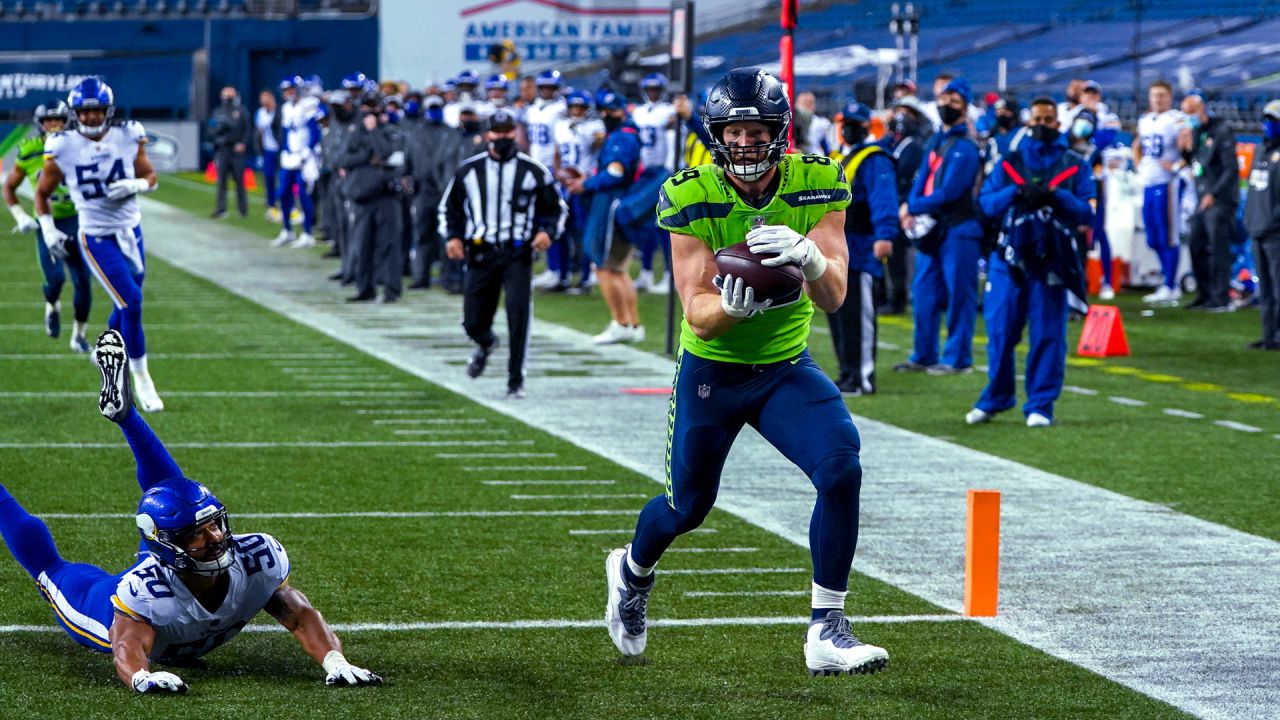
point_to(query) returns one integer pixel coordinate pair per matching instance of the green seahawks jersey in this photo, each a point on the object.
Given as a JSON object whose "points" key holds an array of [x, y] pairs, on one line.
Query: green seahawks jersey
{"points": [[700, 202], [31, 160]]}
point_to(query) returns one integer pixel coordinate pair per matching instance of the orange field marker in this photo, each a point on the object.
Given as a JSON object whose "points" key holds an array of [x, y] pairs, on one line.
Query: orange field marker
{"points": [[982, 553]]}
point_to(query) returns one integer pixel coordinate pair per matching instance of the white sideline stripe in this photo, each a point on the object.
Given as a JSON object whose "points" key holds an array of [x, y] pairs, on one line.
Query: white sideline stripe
{"points": [[713, 550], [1079, 390], [1183, 414], [498, 455], [458, 431], [548, 482], [592, 624], [521, 468], [620, 531], [387, 514], [1129, 402], [735, 571], [299, 444], [613, 496], [392, 401], [418, 421], [368, 385], [177, 356], [443, 421], [1233, 425], [748, 593], [203, 393], [320, 369], [401, 411]]}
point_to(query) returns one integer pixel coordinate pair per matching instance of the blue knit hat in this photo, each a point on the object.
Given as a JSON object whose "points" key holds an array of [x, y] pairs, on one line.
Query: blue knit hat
{"points": [[960, 86]]}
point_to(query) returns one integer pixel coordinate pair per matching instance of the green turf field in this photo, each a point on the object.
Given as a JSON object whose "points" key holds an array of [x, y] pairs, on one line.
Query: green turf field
{"points": [[244, 377]]}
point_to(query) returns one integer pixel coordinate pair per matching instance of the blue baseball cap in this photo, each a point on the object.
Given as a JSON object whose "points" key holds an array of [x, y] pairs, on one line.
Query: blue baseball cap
{"points": [[857, 111], [611, 101], [960, 86]]}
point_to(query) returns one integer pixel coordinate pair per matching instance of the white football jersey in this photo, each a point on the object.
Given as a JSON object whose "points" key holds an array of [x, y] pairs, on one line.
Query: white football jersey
{"points": [[653, 119], [89, 166], [540, 120], [152, 593], [574, 139], [1159, 135], [263, 120], [295, 119]]}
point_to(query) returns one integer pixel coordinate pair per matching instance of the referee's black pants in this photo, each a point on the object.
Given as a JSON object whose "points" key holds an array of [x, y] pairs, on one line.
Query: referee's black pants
{"points": [[490, 272], [853, 332]]}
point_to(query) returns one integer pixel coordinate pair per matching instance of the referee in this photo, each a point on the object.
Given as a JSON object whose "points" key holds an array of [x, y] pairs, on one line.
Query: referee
{"points": [[498, 200]]}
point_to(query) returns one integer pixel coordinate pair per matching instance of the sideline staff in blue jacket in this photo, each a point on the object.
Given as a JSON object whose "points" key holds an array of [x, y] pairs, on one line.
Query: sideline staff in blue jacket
{"points": [[870, 226], [946, 278], [1041, 192]]}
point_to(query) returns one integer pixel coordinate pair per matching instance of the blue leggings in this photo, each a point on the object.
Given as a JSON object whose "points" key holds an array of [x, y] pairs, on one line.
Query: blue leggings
{"points": [[122, 278], [1158, 206], [794, 406], [55, 271], [289, 180], [270, 175], [80, 594]]}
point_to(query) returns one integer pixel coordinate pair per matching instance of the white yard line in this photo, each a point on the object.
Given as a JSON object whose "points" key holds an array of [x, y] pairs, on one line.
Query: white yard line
{"points": [[1111, 583], [406, 411], [1233, 425], [747, 593], [627, 531], [469, 456], [203, 393], [1175, 412], [604, 496], [264, 445], [1128, 402], [524, 468], [1079, 390], [736, 571], [374, 514], [702, 550], [547, 482], [44, 357]]}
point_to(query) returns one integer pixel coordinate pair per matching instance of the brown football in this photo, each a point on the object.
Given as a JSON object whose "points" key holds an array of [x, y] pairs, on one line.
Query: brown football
{"points": [[565, 174], [780, 284]]}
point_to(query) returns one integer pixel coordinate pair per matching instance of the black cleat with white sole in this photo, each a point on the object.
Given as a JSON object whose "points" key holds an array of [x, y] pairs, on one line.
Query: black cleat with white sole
{"points": [[116, 398]]}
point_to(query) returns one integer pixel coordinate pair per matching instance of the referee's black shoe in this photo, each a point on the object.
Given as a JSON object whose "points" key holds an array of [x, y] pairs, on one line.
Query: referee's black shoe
{"points": [[479, 358]]}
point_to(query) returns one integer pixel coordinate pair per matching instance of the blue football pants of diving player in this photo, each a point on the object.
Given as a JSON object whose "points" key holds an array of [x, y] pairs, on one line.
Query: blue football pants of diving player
{"points": [[56, 271], [1011, 304], [289, 181], [794, 406], [1157, 209], [80, 594], [121, 275]]}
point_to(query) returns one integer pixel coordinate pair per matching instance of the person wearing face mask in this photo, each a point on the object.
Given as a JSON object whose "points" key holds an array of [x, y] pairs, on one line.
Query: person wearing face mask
{"points": [[1089, 140], [1262, 220], [1041, 193], [616, 169], [870, 226], [377, 174], [231, 131], [1212, 155], [905, 142], [433, 153], [939, 213], [335, 208], [501, 206], [1007, 132]]}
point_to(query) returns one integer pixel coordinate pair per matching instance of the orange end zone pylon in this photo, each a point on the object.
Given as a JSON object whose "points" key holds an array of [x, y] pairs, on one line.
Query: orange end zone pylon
{"points": [[982, 553], [1103, 334]]}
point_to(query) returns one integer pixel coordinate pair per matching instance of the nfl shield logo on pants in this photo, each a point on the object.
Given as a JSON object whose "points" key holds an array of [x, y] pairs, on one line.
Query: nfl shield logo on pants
{"points": [[704, 391]]}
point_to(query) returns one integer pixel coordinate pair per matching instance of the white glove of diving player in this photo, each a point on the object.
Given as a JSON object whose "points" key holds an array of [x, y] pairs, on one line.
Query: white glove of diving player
{"points": [[344, 674], [737, 299], [790, 247], [54, 239], [122, 189], [158, 682], [25, 223]]}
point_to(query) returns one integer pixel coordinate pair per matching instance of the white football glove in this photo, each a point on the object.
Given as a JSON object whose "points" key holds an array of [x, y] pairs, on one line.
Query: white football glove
{"points": [[25, 223], [790, 247], [121, 189], [158, 682], [54, 239], [737, 299], [344, 674]]}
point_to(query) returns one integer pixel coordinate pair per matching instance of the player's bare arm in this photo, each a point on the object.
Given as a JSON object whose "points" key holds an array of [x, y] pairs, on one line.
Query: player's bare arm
{"points": [[142, 167], [50, 179], [827, 291], [694, 266], [294, 612], [11, 183], [131, 642]]}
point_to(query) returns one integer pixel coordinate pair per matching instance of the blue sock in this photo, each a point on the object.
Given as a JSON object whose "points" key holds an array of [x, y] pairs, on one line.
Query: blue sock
{"points": [[635, 581], [821, 613]]}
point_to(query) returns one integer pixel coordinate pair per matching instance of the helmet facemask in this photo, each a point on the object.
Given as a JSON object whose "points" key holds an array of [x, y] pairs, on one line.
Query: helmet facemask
{"points": [[93, 130], [177, 542], [748, 162]]}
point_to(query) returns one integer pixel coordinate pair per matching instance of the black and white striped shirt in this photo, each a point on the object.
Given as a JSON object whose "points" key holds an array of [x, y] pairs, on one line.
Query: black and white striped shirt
{"points": [[501, 203]]}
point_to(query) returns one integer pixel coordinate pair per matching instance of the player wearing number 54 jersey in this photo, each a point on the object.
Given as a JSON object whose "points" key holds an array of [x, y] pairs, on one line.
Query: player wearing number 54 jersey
{"points": [[105, 166], [197, 585], [745, 362]]}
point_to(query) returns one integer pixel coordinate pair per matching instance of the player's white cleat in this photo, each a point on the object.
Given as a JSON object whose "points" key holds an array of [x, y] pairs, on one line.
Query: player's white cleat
{"points": [[977, 417], [643, 281], [53, 319], [1163, 295], [624, 612], [144, 389], [1035, 420], [305, 240], [1106, 292], [79, 344], [546, 280], [116, 397], [614, 333], [661, 287], [830, 648], [284, 238], [273, 214]]}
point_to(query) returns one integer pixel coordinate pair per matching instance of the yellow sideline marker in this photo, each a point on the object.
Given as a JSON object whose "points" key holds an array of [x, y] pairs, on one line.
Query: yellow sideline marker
{"points": [[982, 553]]}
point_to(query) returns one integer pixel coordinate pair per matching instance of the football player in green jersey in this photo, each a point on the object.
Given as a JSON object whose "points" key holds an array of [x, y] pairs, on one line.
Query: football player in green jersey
{"points": [[57, 258], [744, 361]]}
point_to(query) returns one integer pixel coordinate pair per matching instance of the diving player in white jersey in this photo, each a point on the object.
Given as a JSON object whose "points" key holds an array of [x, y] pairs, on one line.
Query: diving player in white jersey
{"points": [[300, 122], [197, 585], [104, 166], [1158, 158], [655, 118]]}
